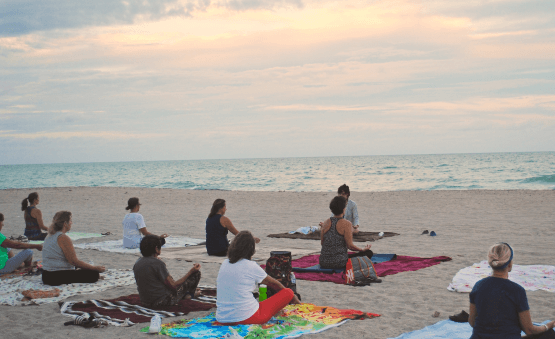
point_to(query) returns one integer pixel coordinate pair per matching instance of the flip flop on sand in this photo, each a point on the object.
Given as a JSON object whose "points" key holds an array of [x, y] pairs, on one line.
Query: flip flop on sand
{"points": [[432, 234], [425, 232], [460, 318], [87, 322]]}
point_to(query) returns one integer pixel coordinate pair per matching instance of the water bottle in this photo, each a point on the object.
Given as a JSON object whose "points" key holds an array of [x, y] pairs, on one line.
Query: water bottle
{"points": [[293, 282], [262, 292], [155, 324]]}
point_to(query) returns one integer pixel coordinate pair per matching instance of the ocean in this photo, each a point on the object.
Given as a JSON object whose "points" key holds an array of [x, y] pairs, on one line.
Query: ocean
{"points": [[495, 171]]}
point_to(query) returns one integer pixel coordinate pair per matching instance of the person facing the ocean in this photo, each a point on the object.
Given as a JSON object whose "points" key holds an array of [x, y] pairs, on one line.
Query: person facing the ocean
{"points": [[499, 307], [134, 227], [10, 262], [33, 218], [155, 284], [59, 260], [238, 277], [336, 238], [217, 227]]}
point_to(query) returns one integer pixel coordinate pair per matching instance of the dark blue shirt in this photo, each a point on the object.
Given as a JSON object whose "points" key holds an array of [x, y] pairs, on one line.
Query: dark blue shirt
{"points": [[216, 235], [498, 302]]}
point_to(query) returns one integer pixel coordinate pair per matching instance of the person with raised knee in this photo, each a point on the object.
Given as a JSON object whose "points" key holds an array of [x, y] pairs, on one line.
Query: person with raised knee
{"points": [[9, 261], [237, 278], [155, 284]]}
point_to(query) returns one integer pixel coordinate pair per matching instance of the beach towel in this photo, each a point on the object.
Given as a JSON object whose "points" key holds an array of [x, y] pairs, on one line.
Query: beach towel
{"points": [[117, 245], [73, 236], [531, 277], [376, 258], [10, 289], [397, 265], [199, 254], [127, 310], [360, 236], [306, 230], [296, 320], [445, 329]]}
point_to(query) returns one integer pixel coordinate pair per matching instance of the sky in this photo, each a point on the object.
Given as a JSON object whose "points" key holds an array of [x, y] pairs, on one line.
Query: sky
{"points": [[139, 80]]}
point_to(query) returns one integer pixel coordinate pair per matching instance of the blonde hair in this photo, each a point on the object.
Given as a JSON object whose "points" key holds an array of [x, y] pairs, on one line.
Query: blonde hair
{"points": [[60, 218], [499, 255]]}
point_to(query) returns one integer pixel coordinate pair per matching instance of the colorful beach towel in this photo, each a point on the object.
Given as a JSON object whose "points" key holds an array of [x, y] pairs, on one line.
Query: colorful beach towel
{"points": [[445, 329], [360, 236], [376, 259], [117, 245], [127, 310], [73, 236], [397, 265], [10, 289], [295, 321], [531, 277]]}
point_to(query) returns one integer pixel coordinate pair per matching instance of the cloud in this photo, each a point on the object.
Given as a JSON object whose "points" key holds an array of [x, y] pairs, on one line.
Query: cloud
{"points": [[82, 135], [19, 17]]}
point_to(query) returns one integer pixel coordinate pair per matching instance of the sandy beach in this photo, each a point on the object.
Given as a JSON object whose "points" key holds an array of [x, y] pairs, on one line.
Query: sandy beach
{"points": [[466, 222]]}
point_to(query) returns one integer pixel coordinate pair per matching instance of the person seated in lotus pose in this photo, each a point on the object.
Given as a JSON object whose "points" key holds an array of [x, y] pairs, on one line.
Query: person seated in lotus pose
{"points": [[351, 210], [33, 218], [134, 227], [10, 262], [155, 284], [59, 260], [217, 227], [336, 238], [499, 307], [238, 277]]}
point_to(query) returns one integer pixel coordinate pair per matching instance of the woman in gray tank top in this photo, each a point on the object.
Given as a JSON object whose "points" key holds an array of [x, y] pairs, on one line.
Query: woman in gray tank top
{"points": [[59, 261], [337, 237]]}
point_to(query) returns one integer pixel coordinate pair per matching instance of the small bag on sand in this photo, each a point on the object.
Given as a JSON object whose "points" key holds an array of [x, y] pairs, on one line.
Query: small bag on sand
{"points": [[279, 268], [360, 271]]}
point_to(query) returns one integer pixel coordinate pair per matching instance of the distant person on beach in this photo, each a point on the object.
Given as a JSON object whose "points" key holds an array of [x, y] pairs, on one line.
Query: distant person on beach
{"points": [[33, 218], [10, 262], [59, 260], [351, 211], [499, 307], [134, 227], [336, 238], [237, 277], [155, 284], [217, 227]]}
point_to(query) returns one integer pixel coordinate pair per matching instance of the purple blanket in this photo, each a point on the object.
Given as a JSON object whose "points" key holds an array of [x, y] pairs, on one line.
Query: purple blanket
{"points": [[400, 264]]}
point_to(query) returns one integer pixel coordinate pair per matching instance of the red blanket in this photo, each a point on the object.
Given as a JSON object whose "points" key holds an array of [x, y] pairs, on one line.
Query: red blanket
{"points": [[400, 264]]}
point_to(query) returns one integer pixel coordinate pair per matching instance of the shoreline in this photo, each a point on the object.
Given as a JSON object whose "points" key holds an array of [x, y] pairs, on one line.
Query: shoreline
{"points": [[467, 222]]}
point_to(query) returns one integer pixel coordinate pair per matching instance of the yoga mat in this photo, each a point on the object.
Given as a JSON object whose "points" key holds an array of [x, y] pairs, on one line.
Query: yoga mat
{"points": [[10, 289], [398, 265], [295, 321], [116, 246], [73, 236], [360, 236], [127, 310], [445, 329], [376, 258], [531, 277]]}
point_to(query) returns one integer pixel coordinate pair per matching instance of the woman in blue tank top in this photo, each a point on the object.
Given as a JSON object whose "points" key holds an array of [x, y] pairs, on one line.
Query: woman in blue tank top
{"points": [[217, 227]]}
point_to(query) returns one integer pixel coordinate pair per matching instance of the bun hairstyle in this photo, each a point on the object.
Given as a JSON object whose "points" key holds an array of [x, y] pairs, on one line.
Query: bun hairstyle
{"points": [[29, 200], [132, 203], [216, 206], [60, 218], [499, 256], [337, 205]]}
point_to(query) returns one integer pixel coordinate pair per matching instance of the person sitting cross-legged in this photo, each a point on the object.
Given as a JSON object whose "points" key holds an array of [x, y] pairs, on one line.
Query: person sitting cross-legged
{"points": [[155, 284]]}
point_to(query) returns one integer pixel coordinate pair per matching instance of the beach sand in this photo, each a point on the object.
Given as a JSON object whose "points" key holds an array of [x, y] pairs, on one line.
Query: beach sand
{"points": [[466, 222]]}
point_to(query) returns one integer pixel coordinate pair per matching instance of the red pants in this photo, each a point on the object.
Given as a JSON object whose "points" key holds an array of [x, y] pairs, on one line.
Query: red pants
{"points": [[269, 307]]}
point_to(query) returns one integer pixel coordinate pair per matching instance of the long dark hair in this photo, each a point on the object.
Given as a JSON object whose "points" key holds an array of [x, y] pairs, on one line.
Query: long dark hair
{"points": [[216, 206], [29, 200], [241, 247]]}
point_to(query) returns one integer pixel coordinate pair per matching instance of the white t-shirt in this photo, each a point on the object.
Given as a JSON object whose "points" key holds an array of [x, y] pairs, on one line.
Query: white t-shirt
{"points": [[132, 223], [235, 285]]}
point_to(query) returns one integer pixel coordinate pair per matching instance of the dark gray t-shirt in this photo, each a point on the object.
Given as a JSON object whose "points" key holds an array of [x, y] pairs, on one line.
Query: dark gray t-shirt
{"points": [[150, 274]]}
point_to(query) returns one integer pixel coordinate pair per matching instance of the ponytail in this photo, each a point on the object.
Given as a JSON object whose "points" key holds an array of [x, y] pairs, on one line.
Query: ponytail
{"points": [[29, 200], [60, 218]]}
